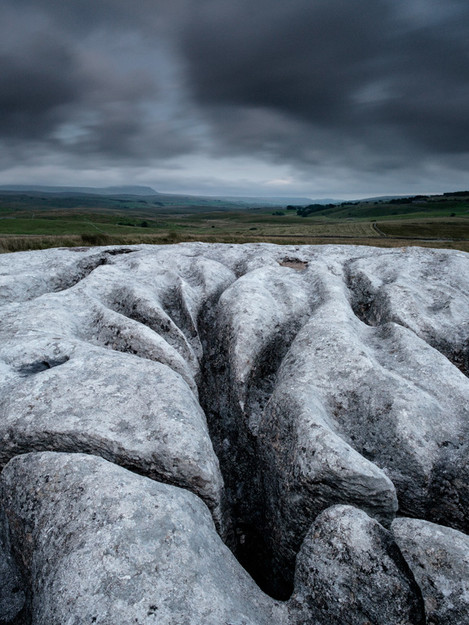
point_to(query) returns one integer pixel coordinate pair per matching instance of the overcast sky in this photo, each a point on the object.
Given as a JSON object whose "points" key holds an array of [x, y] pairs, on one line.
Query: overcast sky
{"points": [[324, 98]]}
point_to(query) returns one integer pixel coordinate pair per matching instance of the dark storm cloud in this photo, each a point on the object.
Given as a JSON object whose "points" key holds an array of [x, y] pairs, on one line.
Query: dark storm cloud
{"points": [[302, 57], [35, 87], [368, 70], [367, 85], [80, 78]]}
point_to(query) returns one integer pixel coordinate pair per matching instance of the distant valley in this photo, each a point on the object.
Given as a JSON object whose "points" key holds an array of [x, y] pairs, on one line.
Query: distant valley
{"points": [[35, 217]]}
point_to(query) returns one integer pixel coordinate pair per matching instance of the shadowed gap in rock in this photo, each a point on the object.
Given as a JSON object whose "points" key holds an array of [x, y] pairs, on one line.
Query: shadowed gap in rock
{"points": [[86, 266], [371, 308], [233, 433], [41, 365]]}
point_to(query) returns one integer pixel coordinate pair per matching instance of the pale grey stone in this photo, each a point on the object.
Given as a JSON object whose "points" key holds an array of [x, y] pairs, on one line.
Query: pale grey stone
{"points": [[99, 544], [439, 559], [426, 291], [356, 417], [315, 375], [137, 413], [77, 374], [350, 571]]}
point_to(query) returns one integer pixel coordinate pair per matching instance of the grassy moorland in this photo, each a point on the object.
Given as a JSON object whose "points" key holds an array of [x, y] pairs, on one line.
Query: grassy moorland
{"points": [[41, 220]]}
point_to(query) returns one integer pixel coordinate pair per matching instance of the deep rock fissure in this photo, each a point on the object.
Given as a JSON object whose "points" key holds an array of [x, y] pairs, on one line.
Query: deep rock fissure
{"points": [[232, 424], [232, 429]]}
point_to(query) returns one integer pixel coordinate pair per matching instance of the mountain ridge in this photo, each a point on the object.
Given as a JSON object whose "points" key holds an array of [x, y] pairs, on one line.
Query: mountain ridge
{"points": [[113, 190]]}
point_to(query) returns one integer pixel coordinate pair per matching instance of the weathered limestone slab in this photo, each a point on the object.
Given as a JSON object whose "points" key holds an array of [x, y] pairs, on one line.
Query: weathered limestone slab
{"points": [[350, 571], [272, 382], [428, 293], [99, 544], [439, 559]]}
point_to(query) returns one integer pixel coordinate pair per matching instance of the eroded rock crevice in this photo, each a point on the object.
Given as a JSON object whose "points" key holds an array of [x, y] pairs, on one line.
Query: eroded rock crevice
{"points": [[369, 306], [85, 267], [381, 294], [292, 392], [234, 408]]}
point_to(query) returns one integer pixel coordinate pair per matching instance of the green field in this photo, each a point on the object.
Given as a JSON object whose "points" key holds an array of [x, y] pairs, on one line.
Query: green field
{"points": [[36, 221], [455, 229]]}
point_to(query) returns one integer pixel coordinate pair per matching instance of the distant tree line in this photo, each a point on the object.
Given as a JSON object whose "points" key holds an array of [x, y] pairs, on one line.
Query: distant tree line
{"points": [[304, 211], [409, 200]]}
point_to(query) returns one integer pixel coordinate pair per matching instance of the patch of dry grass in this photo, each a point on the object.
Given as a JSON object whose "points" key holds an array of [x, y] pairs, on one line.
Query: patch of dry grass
{"points": [[15, 243]]}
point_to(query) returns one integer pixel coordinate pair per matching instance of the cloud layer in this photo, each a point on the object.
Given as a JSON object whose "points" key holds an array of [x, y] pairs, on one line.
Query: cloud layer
{"points": [[331, 97]]}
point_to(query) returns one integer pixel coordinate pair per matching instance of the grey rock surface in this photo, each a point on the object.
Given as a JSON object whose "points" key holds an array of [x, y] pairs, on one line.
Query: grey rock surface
{"points": [[78, 375], [272, 382], [328, 409], [439, 559], [99, 544], [30, 275], [137, 413], [349, 571], [436, 310], [356, 415], [12, 589]]}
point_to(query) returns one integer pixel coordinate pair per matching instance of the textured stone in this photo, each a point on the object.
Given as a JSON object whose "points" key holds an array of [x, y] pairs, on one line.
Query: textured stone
{"points": [[77, 374], [12, 595], [428, 293], [26, 275], [307, 374], [99, 544], [350, 571], [439, 559], [355, 417], [137, 413]]}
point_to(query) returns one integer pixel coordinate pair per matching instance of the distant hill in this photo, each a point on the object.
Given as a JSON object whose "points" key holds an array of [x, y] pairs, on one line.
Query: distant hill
{"points": [[120, 190], [126, 190], [266, 201], [379, 198]]}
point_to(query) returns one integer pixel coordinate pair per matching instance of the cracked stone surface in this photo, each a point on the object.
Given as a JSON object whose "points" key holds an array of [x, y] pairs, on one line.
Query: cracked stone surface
{"points": [[439, 559], [276, 385], [102, 545], [12, 594], [350, 570]]}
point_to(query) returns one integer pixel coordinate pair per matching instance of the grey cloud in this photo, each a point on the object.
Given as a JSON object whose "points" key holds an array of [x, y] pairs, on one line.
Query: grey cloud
{"points": [[360, 70], [35, 87], [365, 85], [118, 16], [304, 58], [83, 80]]}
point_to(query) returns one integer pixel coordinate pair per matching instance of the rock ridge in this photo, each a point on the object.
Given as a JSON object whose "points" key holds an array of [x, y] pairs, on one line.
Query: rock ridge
{"points": [[312, 397]]}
